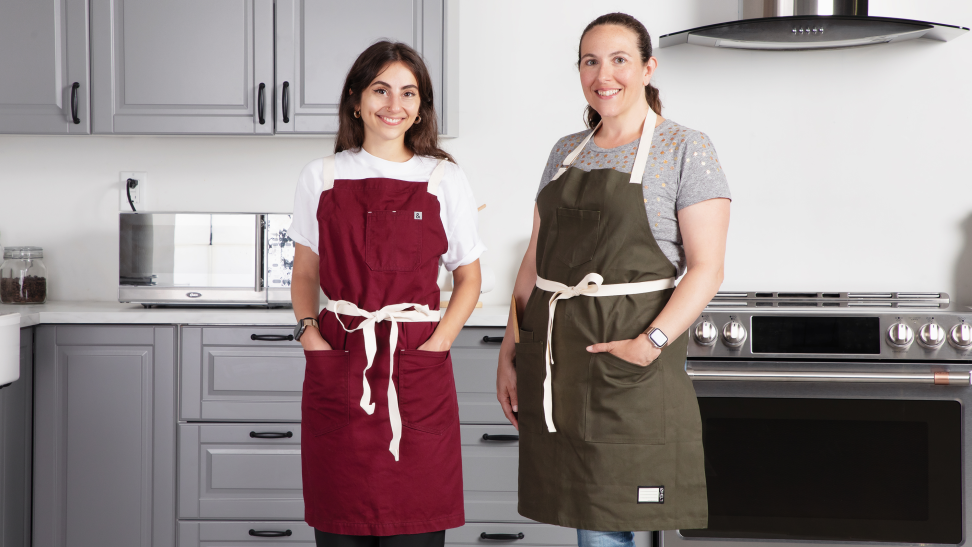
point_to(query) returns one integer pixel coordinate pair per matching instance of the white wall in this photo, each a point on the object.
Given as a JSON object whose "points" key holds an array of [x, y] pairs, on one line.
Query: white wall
{"points": [[849, 169]]}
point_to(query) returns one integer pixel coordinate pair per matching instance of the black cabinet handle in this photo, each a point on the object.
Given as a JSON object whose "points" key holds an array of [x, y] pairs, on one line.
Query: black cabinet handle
{"points": [[270, 533], [271, 435], [506, 537], [74, 103], [492, 339], [286, 102], [261, 103], [273, 337], [488, 437]]}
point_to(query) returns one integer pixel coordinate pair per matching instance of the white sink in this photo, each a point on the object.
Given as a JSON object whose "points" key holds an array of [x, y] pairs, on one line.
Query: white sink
{"points": [[9, 348]]}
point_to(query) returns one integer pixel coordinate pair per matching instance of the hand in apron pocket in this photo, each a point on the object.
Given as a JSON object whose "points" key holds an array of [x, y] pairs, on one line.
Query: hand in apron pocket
{"points": [[626, 402], [427, 390], [530, 371], [325, 403]]}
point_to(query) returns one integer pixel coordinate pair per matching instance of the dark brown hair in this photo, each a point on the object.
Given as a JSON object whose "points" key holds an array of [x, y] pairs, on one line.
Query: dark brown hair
{"points": [[422, 138], [644, 48]]}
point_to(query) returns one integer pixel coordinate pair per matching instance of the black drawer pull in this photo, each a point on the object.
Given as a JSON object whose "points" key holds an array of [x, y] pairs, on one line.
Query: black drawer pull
{"points": [[286, 102], [488, 437], [492, 339], [261, 103], [502, 537], [74, 103], [271, 435], [270, 533], [273, 337]]}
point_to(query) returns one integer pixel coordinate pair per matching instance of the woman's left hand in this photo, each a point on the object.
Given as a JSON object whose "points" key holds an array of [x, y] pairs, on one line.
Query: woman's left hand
{"points": [[435, 343], [637, 350]]}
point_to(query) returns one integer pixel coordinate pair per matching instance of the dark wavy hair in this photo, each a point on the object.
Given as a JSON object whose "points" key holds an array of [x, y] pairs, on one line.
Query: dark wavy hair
{"points": [[644, 48], [422, 138]]}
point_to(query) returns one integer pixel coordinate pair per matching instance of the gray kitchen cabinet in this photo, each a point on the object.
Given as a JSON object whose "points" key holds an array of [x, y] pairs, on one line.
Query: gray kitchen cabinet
{"points": [[182, 67], [318, 40], [104, 436], [489, 473], [249, 471], [259, 534], [474, 362], [534, 534], [16, 404], [229, 376], [44, 65]]}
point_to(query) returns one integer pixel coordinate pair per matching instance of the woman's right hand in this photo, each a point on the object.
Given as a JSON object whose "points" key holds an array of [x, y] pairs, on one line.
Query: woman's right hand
{"points": [[312, 340], [506, 386]]}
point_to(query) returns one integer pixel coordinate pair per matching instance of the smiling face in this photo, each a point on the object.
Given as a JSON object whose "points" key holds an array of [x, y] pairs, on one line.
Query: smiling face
{"points": [[390, 104], [611, 70]]}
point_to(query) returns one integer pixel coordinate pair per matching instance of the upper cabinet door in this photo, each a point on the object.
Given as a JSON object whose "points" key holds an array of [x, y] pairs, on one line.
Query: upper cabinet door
{"points": [[318, 40], [44, 67], [182, 66]]}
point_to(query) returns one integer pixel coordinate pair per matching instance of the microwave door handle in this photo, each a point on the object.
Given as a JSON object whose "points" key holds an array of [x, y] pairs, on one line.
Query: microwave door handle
{"points": [[937, 378], [259, 270]]}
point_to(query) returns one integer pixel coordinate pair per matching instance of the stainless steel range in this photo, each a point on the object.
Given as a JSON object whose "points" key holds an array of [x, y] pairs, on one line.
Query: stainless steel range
{"points": [[835, 418]]}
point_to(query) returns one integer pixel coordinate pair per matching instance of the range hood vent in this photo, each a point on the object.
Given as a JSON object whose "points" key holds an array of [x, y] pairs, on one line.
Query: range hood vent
{"points": [[809, 24]]}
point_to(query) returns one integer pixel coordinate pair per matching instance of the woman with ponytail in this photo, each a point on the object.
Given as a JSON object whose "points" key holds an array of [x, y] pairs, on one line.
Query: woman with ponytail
{"points": [[610, 433]]}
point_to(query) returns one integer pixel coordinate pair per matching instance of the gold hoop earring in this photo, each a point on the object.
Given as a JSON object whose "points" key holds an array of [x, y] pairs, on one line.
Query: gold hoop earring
{"points": [[357, 113], [418, 119]]}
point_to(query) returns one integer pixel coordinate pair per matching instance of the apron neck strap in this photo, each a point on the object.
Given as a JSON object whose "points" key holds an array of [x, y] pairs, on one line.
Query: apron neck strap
{"points": [[437, 175], [641, 158], [327, 173]]}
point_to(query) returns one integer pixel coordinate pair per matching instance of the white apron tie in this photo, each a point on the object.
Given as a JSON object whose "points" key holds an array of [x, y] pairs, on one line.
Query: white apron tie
{"points": [[393, 313], [589, 286]]}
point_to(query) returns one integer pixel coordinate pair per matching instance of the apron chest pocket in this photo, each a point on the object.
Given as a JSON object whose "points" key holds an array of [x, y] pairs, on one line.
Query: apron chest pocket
{"points": [[427, 391], [393, 241], [626, 402], [325, 402], [576, 238]]}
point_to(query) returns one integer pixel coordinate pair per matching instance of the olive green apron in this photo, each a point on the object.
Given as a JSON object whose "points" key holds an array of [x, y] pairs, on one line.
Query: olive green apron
{"points": [[606, 444]]}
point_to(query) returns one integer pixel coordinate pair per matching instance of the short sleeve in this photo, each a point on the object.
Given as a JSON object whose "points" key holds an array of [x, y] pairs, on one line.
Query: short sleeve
{"points": [[303, 227], [460, 219], [701, 176]]}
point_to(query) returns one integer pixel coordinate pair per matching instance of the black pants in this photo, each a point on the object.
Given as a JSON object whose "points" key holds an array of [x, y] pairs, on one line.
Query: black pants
{"points": [[430, 539]]}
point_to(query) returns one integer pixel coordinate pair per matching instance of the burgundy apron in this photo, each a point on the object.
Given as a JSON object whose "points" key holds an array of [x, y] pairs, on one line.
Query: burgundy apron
{"points": [[380, 446]]}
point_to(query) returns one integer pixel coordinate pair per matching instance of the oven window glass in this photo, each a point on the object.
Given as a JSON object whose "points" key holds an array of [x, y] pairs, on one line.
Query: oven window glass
{"points": [[833, 469]]}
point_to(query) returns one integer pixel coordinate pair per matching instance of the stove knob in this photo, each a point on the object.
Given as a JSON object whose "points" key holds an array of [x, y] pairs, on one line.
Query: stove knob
{"points": [[960, 337], [900, 336], [931, 336], [705, 333], [734, 334]]}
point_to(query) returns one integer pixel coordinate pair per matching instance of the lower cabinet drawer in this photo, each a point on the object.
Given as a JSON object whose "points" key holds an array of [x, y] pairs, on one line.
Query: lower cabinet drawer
{"points": [[226, 534], [474, 356], [490, 463], [492, 533], [249, 471]]}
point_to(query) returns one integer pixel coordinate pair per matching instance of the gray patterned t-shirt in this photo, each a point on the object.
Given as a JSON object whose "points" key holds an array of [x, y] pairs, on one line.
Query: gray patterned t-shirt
{"points": [[682, 170]]}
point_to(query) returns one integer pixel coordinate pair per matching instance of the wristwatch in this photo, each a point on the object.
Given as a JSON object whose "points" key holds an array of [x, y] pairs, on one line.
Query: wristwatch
{"points": [[657, 338], [301, 325]]}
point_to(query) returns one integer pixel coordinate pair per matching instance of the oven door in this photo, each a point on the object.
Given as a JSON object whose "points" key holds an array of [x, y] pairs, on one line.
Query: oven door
{"points": [[834, 453]]}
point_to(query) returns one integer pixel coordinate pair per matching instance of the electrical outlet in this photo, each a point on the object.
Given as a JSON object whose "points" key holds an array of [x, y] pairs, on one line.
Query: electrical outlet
{"points": [[139, 193]]}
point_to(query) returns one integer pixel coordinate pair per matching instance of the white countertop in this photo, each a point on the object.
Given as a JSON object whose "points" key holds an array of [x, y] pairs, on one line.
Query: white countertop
{"points": [[66, 312]]}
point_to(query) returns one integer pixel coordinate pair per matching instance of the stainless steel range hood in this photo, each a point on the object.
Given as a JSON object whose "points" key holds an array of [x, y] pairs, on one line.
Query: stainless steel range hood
{"points": [[809, 24]]}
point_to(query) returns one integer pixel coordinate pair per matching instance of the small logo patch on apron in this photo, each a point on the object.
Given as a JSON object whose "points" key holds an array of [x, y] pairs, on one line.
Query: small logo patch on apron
{"points": [[651, 494], [418, 215]]}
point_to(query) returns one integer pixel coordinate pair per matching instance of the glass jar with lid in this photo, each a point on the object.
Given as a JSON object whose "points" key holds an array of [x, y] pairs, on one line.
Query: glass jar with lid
{"points": [[23, 276]]}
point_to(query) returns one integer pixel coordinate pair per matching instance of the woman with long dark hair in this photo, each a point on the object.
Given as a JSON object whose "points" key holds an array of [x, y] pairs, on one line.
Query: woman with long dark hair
{"points": [[380, 446], [610, 434]]}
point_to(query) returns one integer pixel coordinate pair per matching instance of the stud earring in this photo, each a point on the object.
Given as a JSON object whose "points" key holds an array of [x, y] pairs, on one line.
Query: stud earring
{"points": [[357, 113]]}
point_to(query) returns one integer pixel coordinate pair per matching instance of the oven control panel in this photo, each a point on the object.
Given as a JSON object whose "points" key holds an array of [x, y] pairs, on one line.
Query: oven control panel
{"points": [[833, 334]]}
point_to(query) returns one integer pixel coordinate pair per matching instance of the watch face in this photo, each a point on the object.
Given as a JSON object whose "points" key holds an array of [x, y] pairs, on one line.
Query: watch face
{"points": [[658, 337], [298, 330]]}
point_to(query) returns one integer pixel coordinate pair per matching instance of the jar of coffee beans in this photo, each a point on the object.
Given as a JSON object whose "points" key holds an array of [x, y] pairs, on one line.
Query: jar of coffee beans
{"points": [[23, 276]]}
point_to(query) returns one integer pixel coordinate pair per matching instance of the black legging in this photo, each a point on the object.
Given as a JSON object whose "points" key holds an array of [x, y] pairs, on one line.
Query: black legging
{"points": [[430, 539]]}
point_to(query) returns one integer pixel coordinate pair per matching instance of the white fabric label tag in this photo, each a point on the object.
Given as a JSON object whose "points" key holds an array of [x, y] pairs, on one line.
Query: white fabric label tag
{"points": [[651, 494], [418, 215]]}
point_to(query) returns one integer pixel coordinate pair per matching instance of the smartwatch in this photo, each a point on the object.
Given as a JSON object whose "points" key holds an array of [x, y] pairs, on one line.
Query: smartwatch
{"points": [[301, 325], [657, 338]]}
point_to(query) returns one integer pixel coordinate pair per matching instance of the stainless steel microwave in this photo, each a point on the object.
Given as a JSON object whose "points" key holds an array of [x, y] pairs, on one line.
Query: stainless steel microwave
{"points": [[205, 258]]}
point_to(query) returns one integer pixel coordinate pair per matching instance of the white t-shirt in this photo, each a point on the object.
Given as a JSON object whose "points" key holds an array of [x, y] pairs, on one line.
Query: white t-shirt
{"points": [[457, 205]]}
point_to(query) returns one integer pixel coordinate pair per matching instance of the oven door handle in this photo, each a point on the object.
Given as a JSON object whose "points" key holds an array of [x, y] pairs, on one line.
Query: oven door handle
{"points": [[937, 378]]}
